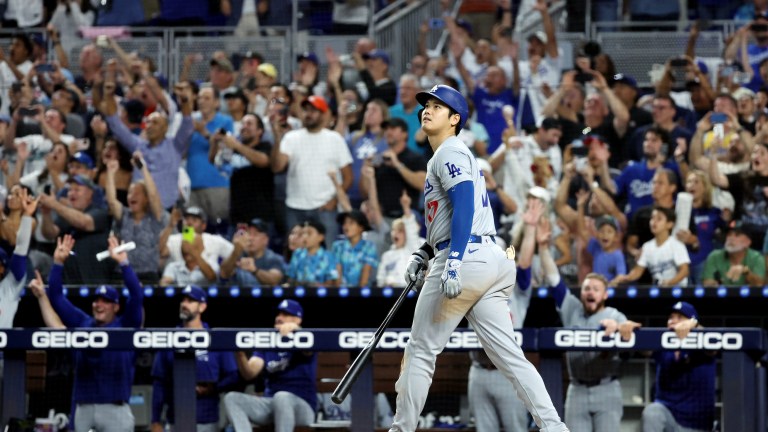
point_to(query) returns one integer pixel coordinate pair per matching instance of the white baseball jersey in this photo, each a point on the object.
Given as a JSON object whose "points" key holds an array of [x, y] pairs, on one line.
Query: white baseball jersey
{"points": [[452, 164]]}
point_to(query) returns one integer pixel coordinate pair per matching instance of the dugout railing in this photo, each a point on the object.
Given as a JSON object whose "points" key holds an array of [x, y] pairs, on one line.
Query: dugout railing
{"points": [[743, 380]]}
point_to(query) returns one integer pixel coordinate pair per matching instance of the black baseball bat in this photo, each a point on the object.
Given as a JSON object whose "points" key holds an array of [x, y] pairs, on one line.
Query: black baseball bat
{"points": [[345, 385]]}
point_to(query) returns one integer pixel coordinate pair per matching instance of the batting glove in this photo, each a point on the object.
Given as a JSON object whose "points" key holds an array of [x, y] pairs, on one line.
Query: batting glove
{"points": [[416, 269], [450, 281]]}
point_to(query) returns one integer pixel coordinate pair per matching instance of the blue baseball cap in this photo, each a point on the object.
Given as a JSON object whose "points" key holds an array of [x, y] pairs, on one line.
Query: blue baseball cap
{"points": [[291, 307], [109, 293], [83, 181], [194, 292], [82, 158], [625, 79], [686, 309], [376, 54], [308, 56]]}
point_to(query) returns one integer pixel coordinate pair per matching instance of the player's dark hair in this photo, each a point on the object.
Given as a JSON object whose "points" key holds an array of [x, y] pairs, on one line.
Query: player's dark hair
{"points": [[457, 129], [597, 276], [668, 213]]}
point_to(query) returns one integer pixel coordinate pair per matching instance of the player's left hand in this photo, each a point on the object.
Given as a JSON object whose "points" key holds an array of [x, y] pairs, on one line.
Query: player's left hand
{"points": [[450, 281]]}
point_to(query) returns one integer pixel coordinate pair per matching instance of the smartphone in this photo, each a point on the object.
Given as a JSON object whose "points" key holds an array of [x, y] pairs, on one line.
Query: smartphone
{"points": [[222, 131], [47, 189], [83, 144], [188, 234], [679, 62], [137, 162], [180, 203], [583, 77], [580, 163], [719, 130], [436, 23], [45, 67], [27, 112], [718, 118], [579, 151], [759, 27]]}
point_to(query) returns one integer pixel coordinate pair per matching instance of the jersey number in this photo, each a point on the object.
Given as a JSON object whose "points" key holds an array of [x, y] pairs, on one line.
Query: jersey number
{"points": [[431, 211], [453, 170]]}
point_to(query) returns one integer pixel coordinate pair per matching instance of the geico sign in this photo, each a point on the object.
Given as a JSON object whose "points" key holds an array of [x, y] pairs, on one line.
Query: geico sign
{"points": [[591, 339], [265, 340], [398, 340], [74, 339], [172, 339], [3, 339], [702, 340]]}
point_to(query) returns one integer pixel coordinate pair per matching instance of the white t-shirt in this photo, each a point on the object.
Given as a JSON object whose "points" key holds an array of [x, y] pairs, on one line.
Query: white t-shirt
{"points": [[6, 79], [663, 260], [311, 157], [39, 146], [548, 72], [215, 249], [181, 275]]}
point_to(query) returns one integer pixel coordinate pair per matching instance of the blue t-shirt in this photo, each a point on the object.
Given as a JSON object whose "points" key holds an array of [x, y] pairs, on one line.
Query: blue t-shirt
{"points": [[412, 120], [293, 372], [706, 221], [756, 54], [686, 386], [489, 113], [634, 183], [202, 173], [608, 264], [362, 148]]}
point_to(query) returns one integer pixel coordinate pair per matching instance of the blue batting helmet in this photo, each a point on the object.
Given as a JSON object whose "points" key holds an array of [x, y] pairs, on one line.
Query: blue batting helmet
{"points": [[448, 96]]}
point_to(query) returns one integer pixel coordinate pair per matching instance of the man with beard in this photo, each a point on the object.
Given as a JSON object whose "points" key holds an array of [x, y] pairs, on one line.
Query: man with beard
{"points": [[706, 141], [634, 183], [593, 401], [251, 173], [736, 264], [216, 371], [309, 154]]}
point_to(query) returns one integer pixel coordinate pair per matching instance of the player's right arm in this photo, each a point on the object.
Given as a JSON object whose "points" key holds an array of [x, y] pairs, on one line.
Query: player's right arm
{"points": [[249, 368], [69, 314]]}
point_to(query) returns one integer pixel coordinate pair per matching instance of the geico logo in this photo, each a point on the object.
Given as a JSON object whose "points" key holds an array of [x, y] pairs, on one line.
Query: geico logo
{"points": [[702, 340], [591, 339], [389, 339], [263, 340], [177, 339], [3, 339], [74, 339], [463, 340]]}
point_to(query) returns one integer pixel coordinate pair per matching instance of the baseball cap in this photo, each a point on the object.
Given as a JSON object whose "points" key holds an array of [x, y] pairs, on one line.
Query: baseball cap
{"points": [[742, 92], [235, 94], [606, 220], [109, 293], [736, 227], [306, 55], [83, 158], [686, 309], [259, 225], [83, 181], [540, 193], [253, 55], [540, 35], [291, 307], [196, 212], [268, 69], [625, 79], [357, 216], [461, 22], [396, 122], [223, 63], [376, 54], [194, 292], [318, 102], [484, 165]]}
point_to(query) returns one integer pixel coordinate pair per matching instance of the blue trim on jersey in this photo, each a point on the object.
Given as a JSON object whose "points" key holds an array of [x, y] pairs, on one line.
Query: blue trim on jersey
{"points": [[560, 291], [462, 198]]}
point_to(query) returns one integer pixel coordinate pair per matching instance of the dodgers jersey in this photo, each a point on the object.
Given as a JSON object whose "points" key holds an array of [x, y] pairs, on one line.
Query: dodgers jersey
{"points": [[452, 164]]}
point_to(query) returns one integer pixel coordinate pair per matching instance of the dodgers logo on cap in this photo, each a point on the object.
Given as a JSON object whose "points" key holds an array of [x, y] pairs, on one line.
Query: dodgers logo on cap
{"points": [[194, 292], [685, 309], [291, 307]]}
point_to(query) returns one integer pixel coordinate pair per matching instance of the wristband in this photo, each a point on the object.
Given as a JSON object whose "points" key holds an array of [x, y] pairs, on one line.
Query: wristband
{"points": [[428, 250]]}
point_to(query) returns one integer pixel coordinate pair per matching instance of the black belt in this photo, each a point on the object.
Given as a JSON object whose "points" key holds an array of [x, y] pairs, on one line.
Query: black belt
{"points": [[596, 382], [472, 239]]}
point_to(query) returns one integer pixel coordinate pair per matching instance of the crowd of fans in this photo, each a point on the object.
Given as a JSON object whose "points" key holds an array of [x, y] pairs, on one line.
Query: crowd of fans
{"points": [[256, 178]]}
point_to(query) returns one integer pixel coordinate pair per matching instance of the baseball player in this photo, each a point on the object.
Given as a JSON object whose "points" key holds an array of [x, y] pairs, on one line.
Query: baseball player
{"points": [[216, 371], [493, 400], [470, 276], [593, 401]]}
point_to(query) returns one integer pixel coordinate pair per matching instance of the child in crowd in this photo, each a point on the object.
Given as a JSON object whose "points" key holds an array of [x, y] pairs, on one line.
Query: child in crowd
{"points": [[664, 255], [405, 239], [603, 250], [356, 259], [312, 265]]}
